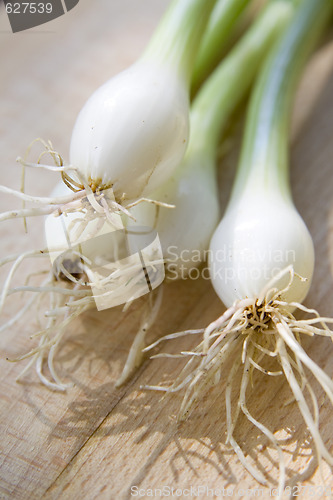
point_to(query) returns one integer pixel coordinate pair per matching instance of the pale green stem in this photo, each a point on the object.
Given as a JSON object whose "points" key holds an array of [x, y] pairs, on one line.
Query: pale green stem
{"points": [[232, 79], [219, 27], [263, 164], [177, 38]]}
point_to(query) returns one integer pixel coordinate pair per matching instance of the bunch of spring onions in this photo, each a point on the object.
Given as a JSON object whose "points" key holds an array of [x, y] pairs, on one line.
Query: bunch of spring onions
{"points": [[262, 261], [133, 162], [133, 127]]}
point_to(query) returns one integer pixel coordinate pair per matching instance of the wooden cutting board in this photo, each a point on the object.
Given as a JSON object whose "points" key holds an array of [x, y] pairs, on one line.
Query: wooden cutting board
{"points": [[95, 441]]}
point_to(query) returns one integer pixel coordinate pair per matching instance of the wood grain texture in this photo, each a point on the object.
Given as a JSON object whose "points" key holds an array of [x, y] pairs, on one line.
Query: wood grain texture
{"points": [[96, 441]]}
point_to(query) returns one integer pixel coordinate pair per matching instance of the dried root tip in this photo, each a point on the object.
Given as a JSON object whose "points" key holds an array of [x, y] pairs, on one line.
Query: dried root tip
{"points": [[48, 150], [251, 332], [135, 356], [149, 200]]}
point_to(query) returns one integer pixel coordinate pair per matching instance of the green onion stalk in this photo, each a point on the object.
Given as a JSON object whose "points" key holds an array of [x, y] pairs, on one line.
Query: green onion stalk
{"points": [[219, 28]]}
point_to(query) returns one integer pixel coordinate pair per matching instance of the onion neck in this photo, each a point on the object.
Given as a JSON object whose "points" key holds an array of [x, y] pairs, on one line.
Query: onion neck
{"points": [[263, 166], [176, 40]]}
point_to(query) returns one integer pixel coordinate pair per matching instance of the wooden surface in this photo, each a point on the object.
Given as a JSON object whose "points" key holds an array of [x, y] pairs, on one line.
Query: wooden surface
{"points": [[96, 441]]}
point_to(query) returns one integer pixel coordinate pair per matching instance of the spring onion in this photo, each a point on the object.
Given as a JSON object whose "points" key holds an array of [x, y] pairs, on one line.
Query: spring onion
{"points": [[135, 126]]}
